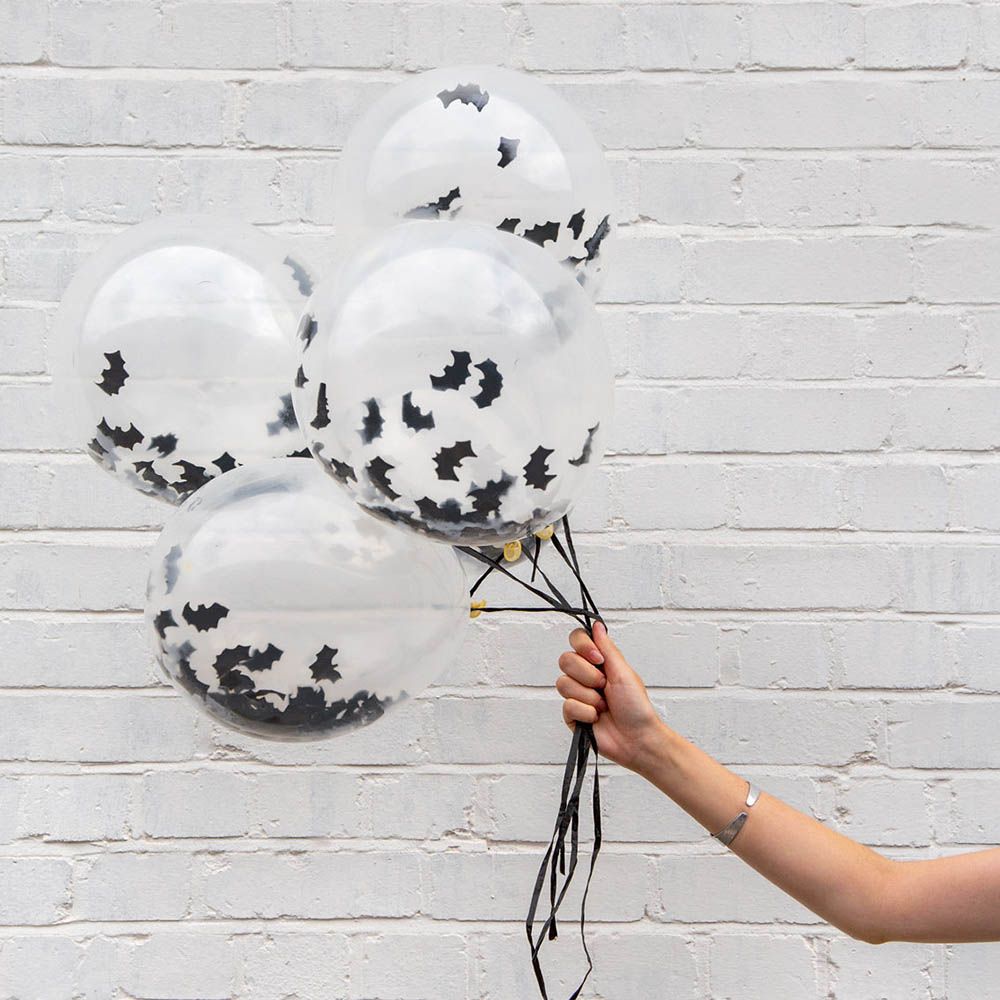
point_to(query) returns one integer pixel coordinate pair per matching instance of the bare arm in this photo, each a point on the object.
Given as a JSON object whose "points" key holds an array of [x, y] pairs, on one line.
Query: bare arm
{"points": [[849, 885]]}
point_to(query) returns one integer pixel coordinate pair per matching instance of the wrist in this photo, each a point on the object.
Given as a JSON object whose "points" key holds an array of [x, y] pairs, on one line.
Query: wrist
{"points": [[655, 749]]}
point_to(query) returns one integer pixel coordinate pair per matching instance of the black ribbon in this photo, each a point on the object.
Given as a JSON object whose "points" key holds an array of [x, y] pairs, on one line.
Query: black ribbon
{"points": [[583, 747]]}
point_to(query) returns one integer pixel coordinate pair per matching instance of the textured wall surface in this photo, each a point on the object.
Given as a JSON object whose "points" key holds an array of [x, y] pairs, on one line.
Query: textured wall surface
{"points": [[794, 534]]}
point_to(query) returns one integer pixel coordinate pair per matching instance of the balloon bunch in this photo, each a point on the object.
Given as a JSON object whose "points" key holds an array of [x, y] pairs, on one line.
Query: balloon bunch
{"points": [[436, 379]]}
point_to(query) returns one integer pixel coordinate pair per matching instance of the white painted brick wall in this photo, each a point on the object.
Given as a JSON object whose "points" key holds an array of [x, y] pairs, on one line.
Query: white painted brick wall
{"points": [[794, 534]]}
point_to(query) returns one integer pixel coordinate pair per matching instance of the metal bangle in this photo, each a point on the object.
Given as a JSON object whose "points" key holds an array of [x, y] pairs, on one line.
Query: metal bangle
{"points": [[728, 833]]}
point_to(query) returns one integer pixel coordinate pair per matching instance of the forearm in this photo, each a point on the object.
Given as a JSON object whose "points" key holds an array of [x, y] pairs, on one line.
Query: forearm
{"points": [[838, 879]]}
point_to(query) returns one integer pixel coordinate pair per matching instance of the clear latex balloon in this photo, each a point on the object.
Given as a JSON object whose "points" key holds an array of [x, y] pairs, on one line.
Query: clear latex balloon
{"points": [[455, 379], [287, 612], [481, 144], [177, 340]]}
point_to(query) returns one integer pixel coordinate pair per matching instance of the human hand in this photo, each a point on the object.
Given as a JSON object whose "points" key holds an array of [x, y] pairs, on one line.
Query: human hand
{"points": [[615, 702]]}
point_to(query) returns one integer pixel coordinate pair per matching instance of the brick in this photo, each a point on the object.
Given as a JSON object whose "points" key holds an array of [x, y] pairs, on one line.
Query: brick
{"points": [[743, 963], [75, 807], [23, 27], [691, 192], [914, 345], [87, 196], [973, 810], [947, 417], [885, 812], [26, 184], [198, 34], [183, 966], [643, 269], [133, 886], [969, 965], [108, 652], [683, 36], [230, 187], [948, 578], [312, 886], [682, 345], [942, 733], [310, 965], [977, 650], [786, 655], [36, 891], [802, 269], [672, 496], [98, 728], [789, 496], [92, 111], [894, 971], [897, 497], [958, 113], [573, 36], [974, 500], [804, 35], [23, 340], [807, 192], [400, 966], [916, 36], [196, 804], [894, 654]]}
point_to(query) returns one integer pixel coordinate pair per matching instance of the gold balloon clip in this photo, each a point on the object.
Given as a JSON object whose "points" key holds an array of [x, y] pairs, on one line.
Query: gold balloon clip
{"points": [[476, 608]]}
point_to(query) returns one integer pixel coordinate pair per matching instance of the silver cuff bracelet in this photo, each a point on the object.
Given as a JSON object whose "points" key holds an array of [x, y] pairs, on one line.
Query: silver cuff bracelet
{"points": [[728, 833]]}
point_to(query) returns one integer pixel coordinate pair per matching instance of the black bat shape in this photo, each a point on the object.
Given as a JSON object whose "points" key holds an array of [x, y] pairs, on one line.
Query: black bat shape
{"points": [[507, 150], [584, 457], [322, 418], [228, 660], [113, 377], [343, 471], [467, 93], [149, 475], [204, 616], [372, 424], [509, 225], [263, 659], [193, 477], [433, 209], [225, 462], [593, 245], [300, 378], [171, 567], [120, 437], [165, 444], [575, 224], [301, 276], [378, 470], [430, 510], [449, 458], [285, 421], [455, 374], [323, 668], [543, 233], [307, 328], [301, 453], [97, 449], [536, 471], [307, 709], [414, 417], [163, 621], [489, 385], [486, 499]]}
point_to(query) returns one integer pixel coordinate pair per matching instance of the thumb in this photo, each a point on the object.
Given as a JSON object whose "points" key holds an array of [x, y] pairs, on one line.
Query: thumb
{"points": [[615, 665]]}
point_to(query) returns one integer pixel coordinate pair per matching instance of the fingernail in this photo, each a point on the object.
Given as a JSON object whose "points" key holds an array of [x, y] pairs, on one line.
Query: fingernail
{"points": [[600, 625], [595, 656]]}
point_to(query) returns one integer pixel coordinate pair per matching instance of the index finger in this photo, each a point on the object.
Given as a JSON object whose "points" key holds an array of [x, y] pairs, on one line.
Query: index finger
{"points": [[584, 645]]}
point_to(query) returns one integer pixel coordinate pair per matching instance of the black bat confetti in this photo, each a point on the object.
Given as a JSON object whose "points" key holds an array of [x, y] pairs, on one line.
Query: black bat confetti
{"points": [[575, 224], [164, 620], [509, 225], [307, 328], [193, 477], [378, 470], [171, 568], [536, 471], [165, 444], [120, 437], [323, 668], [544, 233], [489, 385], [371, 426], [584, 457], [300, 378], [204, 616], [113, 377], [225, 462], [322, 418], [414, 417], [593, 245], [467, 93], [486, 499], [507, 150], [263, 659], [455, 374], [448, 511], [285, 421], [449, 458], [149, 475], [301, 276], [434, 209], [342, 471]]}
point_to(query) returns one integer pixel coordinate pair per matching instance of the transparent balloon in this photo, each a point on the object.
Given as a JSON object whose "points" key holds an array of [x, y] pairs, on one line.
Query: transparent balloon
{"points": [[177, 347], [285, 611], [455, 379], [481, 144]]}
